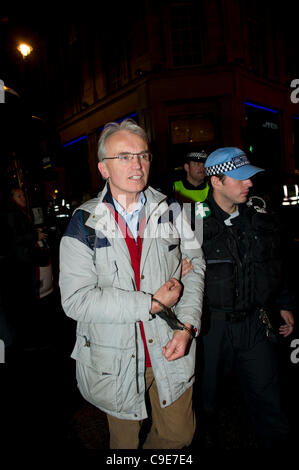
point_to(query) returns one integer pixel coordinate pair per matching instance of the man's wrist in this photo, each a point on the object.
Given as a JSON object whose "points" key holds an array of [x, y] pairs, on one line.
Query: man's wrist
{"points": [[157, 306], [188, 329]]}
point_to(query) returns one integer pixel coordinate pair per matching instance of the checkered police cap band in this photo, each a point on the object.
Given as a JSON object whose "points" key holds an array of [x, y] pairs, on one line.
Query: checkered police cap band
{"points": [[233, 164], [198, 155]]}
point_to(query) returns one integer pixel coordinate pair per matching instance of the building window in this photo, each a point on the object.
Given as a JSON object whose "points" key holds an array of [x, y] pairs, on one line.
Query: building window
{"points": [[75, 162], [262, 139], [114, 44], [184, 31], [114, 77], [256, 46], [72, 67], [198, 130], [256, 36], [116, 66]]}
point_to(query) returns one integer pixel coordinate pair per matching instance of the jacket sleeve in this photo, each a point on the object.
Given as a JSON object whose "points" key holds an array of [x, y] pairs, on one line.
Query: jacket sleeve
{"points": [[82, 299], [189, 308]]}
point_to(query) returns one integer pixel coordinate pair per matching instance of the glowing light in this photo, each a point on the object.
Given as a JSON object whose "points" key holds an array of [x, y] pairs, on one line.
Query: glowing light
{"points": [[25, 49], [261, 107], [285, 191], [290, 200], [75, 140]]}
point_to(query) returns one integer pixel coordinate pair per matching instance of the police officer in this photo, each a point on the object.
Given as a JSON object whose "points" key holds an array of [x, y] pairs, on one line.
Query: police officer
{"points": [[193, 187], [243, 278]]}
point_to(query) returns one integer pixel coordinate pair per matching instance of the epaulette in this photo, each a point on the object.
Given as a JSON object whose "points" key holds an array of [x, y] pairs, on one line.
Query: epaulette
{"points": [[257, 203]]}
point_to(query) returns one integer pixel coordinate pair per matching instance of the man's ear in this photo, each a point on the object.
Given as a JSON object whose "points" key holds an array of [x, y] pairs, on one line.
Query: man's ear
{"points": [[103, 170], [186, 167], [215, 182]]}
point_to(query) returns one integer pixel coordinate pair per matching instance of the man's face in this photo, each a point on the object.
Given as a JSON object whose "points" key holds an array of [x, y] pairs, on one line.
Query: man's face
{"points": [[195, 172], [231, 190], [19, 198], [130, 178]]}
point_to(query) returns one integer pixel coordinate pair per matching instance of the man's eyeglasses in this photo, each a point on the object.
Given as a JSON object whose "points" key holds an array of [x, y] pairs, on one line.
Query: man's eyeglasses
{"points": [[128, 157]]}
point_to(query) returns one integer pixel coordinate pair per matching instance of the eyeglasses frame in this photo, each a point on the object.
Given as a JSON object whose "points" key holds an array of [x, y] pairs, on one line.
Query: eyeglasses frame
{"points": [[132, 155]]}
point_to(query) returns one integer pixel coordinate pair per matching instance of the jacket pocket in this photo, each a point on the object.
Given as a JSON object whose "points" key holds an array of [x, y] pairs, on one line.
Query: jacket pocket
{"points": [[264, 248], [220, 284], [171, 247], [183, 369], [107, 273], [171, 254], [98, 369]]}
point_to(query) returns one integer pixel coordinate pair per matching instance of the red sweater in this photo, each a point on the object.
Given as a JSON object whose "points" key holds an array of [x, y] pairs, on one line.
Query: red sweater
{"points": [[135, 249]]}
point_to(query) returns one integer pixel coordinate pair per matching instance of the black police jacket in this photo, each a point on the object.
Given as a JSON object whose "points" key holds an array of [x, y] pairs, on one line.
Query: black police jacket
{"points": [[243, 269]]}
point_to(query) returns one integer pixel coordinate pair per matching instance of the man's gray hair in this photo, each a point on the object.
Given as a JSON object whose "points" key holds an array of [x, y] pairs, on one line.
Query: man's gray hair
{"points": [[111, 128]]}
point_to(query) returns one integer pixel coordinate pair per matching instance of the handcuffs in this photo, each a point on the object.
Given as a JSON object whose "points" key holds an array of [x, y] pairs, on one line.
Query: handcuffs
{"points": [[173, 322]]}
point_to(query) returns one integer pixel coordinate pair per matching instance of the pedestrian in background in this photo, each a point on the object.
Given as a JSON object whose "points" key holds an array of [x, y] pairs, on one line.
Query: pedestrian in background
{"points": [[21, 265]]}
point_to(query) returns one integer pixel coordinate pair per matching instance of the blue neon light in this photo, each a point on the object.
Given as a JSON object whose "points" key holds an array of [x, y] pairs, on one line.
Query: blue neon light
{"points": [[261, 107], [128, 117], [76, 140], [84, 136], [295, 117]]}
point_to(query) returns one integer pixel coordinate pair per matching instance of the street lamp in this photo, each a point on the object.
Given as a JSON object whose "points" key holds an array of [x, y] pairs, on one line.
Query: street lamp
{"points": [[24, 49]]}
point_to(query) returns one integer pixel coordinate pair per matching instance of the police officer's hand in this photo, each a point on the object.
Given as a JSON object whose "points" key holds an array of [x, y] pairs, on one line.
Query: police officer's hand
{"points": [[178, 345], [168, 294], [187, 266], [287, 329]]}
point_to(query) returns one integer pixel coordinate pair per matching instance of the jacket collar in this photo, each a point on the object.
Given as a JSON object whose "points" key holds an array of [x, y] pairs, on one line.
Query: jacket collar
{"points": [[154, 207], [220, 214], [151, 194]]}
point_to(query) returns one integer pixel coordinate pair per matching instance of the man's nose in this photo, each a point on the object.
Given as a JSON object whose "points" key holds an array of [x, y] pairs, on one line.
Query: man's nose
{"points": [[136, 161], [248, 183]]}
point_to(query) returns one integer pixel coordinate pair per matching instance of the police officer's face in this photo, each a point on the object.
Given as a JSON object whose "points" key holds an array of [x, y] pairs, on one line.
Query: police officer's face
{"points": [[231, 190], [126, 180], [195, 172]]}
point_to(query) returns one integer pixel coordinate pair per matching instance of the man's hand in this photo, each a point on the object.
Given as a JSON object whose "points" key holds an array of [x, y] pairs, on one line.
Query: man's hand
{"points": [[40, 234], [178, 345], [168, 294], [287, 329]]}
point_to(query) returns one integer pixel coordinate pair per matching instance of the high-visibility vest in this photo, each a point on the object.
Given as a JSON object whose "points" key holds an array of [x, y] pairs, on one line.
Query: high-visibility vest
{"points": [[190, 195]]}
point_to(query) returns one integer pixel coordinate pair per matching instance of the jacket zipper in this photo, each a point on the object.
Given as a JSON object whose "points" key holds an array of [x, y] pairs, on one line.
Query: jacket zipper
{"points": [[137, 385]]}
